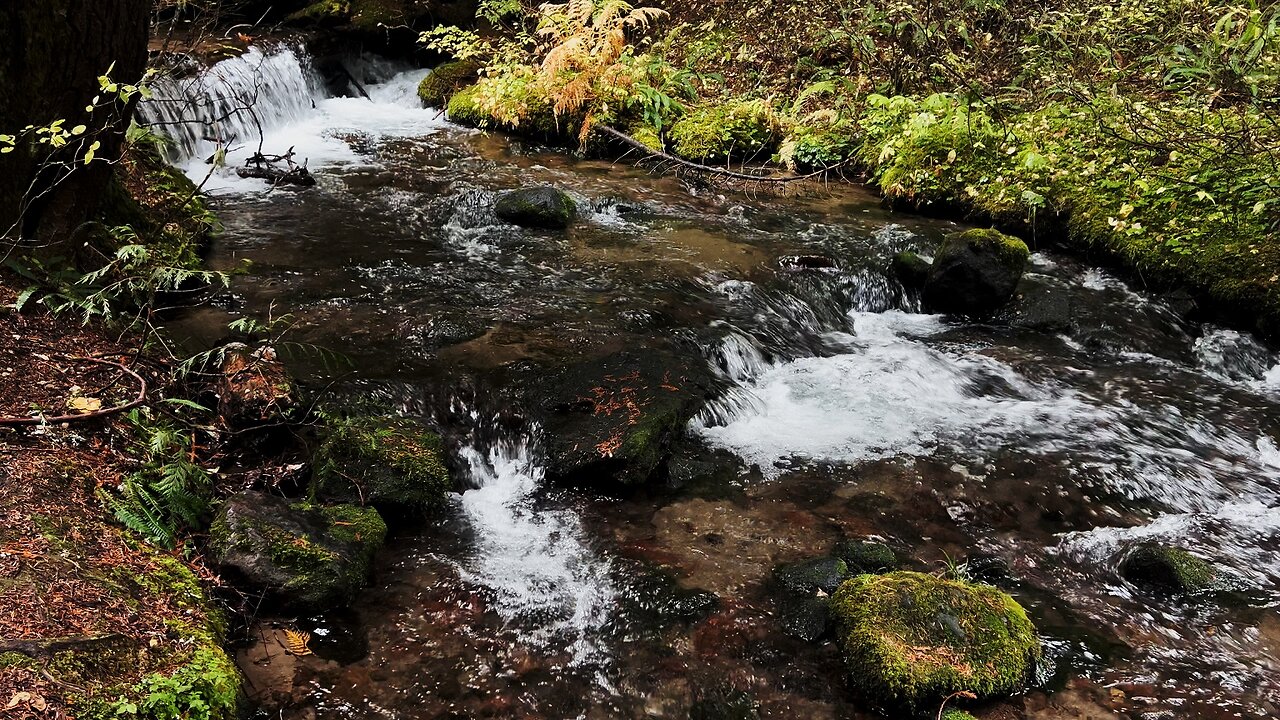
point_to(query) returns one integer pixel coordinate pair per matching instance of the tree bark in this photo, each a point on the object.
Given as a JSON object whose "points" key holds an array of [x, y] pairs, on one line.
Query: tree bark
{"points": [[52, 55]]}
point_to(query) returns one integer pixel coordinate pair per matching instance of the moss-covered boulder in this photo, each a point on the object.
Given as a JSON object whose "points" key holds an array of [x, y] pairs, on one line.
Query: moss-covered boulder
{"points": [[537, 207], [910, 269], [866, 557], [912, 639], [304, 555], [734, 129], [463, 110], [445, 80], [974, 273], [396, 464], [1167, 568], [802, 595]]}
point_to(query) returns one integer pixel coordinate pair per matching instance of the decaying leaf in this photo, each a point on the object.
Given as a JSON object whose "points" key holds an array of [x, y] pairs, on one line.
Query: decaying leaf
{"points": [[84, 404], [296, 642]]}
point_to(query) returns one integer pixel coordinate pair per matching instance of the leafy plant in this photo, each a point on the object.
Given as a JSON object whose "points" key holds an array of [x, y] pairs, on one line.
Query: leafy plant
{"points": [[169, 492]]}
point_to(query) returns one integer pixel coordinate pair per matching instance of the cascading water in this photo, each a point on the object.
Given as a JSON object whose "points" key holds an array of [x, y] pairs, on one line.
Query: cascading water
{"points": [[276, 100], [547, 581]]}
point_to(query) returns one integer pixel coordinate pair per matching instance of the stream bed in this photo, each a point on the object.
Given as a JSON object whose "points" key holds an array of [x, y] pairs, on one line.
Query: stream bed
{"points": [[1051, 440]]}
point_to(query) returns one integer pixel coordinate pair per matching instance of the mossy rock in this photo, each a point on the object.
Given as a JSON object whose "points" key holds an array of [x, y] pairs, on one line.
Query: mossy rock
{"points": [[734, 129], [912, 639], [732, 705], [304, 555], [974, 273], [910, 269], [953, 714], [537, 207], [393, 463], [1168, 568], [539, 121], [866, 557], [445, 80]]}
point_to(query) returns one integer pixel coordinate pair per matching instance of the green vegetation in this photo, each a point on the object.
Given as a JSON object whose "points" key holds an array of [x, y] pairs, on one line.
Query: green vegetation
{"points": [[910, 639], [1146, 132], [1168, 568]]}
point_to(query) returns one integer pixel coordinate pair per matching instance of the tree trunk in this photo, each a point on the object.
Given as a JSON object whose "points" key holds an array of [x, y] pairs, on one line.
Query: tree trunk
{"points": [[52, 55]]}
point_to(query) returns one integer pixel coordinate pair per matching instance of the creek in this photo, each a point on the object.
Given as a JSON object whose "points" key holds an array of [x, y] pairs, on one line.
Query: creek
{"points": [[840, 409]]}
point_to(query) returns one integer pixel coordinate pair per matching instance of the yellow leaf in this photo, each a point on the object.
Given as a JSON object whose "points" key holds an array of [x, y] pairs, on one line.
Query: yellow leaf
{"points": [[84, 404]]}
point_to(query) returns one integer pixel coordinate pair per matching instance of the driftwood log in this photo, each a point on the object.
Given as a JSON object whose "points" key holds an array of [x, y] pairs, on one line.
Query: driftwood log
{"points": [[267, 167]]}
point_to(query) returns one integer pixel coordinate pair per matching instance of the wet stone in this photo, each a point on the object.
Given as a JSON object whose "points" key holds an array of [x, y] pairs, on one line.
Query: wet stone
{"points": [[540, 207], [1167, 568], [864, 556], [974, 273]]}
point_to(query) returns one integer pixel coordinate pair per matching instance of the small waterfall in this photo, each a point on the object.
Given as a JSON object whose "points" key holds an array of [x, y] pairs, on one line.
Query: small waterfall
{"points": [[548, 583], [232, 102]]}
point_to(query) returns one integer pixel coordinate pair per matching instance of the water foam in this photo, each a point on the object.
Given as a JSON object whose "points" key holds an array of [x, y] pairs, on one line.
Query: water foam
{"points": [[548, 583]]}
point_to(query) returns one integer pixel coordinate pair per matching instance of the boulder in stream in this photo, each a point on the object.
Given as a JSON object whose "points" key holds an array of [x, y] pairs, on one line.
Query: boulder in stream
{"points": [[1168, 568], [304, 555], [911, 269], [866, 557], [537, 207], [444, 80], [1041, 303], [974, 273], [393, 463], [802, 593], [911, 639], [611, 421]]}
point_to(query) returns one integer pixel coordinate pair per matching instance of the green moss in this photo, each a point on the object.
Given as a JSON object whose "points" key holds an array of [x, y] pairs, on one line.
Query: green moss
{"points": [[736, 128], [1009, 249], [463, 109], [953, 714], [16, 660], [865, 557], [1171, 568], [445, 80], [648, 137], [912, 639], [383, 461]]}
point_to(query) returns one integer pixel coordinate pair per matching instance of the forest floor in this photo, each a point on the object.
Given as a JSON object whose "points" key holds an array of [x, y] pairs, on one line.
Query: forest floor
{"points": [[87, 611]]}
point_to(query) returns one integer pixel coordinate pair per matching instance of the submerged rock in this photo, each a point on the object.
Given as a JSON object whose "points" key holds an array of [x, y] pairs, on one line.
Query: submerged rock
{"points": [[612, 421], [974, 273], [304, 555], [866, 557], [254, 389], [734, 705], [1041, 303], [1167, 568], [912, 639], [393, 463], [537, 207], [910, 269], [802, 594]]}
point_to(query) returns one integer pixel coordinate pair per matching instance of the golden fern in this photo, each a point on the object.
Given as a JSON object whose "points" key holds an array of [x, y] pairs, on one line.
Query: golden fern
{"points": [[296, 641]]}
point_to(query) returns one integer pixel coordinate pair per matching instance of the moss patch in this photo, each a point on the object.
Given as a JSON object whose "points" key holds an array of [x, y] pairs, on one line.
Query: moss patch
{"points": [[733, 129], [392, 462], [445, 80], [1168, 568], [911, 639]]}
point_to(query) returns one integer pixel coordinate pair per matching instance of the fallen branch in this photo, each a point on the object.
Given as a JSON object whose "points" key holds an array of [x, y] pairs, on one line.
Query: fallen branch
{"points": [[46, 420], [681, 163]]}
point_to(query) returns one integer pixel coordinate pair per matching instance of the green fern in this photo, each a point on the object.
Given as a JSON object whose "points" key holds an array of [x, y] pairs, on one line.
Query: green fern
{"points": [[169, 492]]}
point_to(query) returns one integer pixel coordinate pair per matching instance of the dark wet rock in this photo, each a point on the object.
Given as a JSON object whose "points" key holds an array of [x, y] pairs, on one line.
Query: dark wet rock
{"points": [[912, 639], [865, 556], [733, 705], [654, 599], [802, 593], [910, 269], [1041, 303], [254, 389], [974, 273], [1167, 568], [612, 421], [797, 263], [537, 207], [304, 555], [393, 463], [990, 569]]}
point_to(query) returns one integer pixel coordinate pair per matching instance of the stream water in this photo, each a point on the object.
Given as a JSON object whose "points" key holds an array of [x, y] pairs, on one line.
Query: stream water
{"points": [[845, 411]]}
